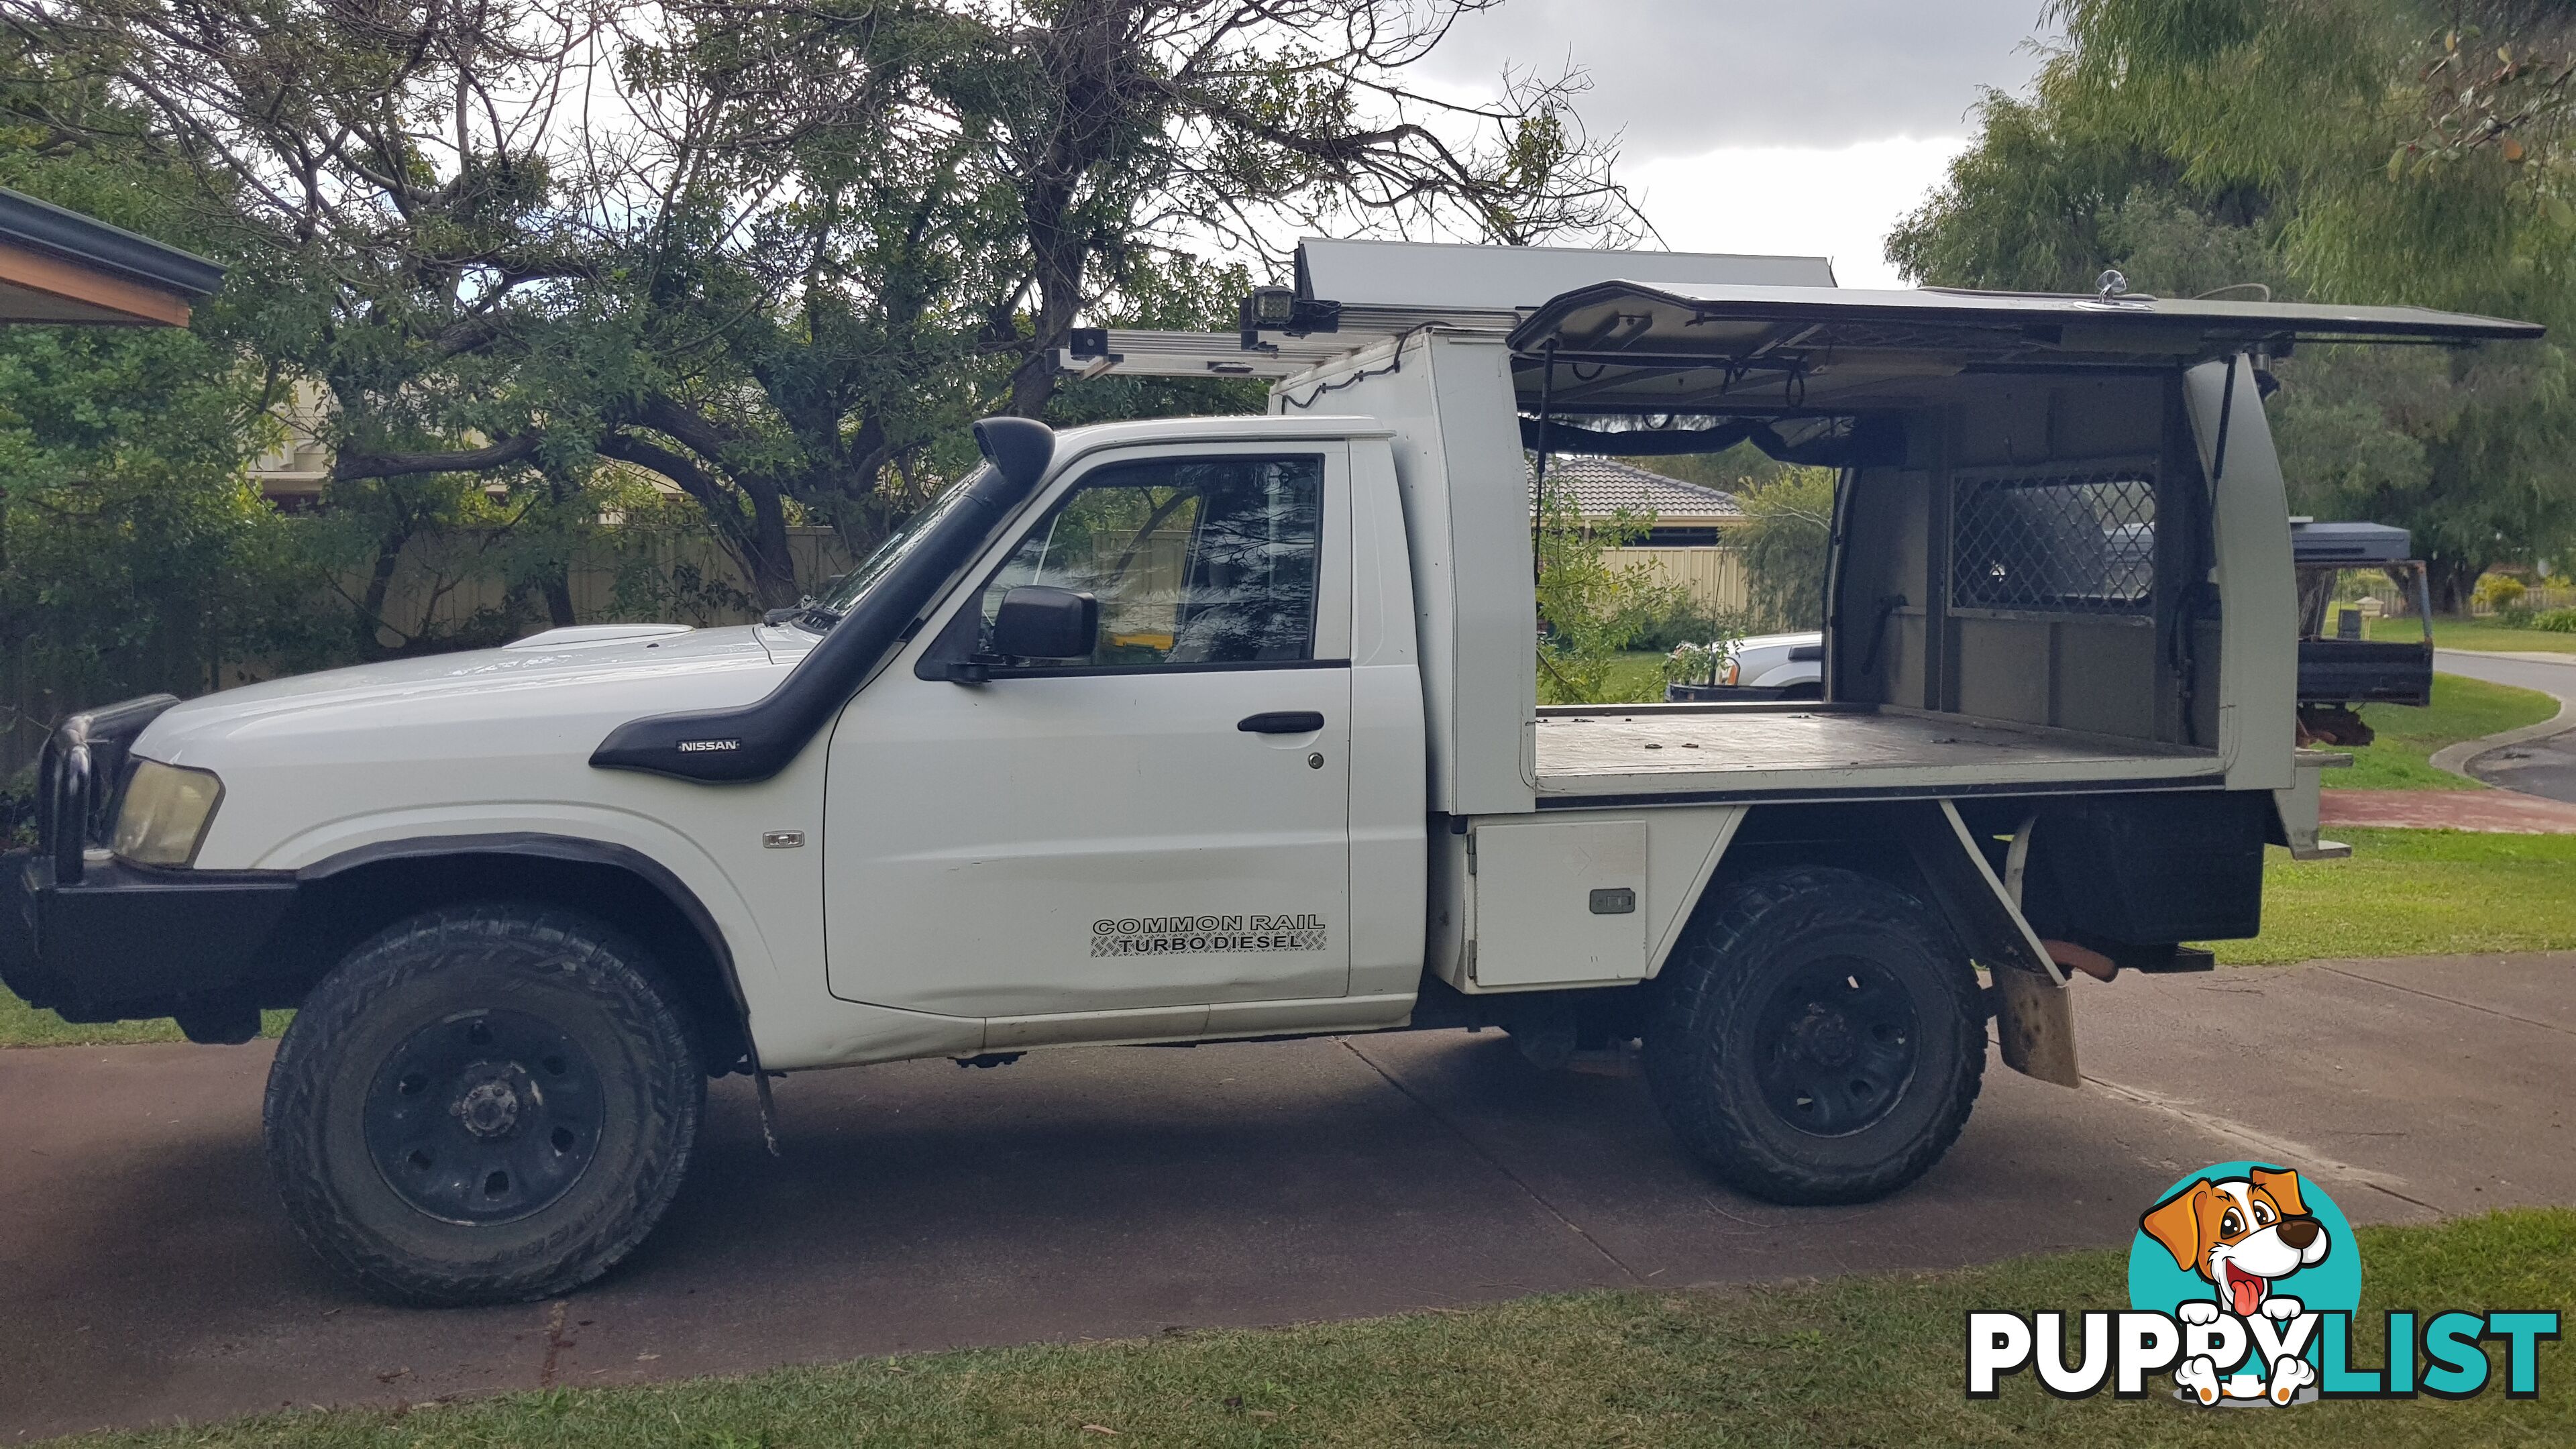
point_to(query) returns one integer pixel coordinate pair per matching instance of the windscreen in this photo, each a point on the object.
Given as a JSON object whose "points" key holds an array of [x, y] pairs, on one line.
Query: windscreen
{"points": [[855, 584]]}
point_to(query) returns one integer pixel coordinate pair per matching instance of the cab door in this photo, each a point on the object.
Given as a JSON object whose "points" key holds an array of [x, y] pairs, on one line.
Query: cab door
{"points": [[1161, 823]]}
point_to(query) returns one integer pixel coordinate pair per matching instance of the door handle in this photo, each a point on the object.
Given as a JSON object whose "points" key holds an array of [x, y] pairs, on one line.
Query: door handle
{"points": [[1281, 722]]}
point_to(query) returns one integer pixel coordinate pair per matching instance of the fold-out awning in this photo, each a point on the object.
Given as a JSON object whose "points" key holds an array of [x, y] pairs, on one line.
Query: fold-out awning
{"points": [[1633, 347]]}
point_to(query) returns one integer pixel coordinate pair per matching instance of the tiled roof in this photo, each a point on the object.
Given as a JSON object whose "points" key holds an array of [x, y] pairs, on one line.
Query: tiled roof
{"points": [[1605, 485]]}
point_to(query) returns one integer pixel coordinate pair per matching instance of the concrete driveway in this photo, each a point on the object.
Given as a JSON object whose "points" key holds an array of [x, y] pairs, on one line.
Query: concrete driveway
{"points": [[145, 1272]]}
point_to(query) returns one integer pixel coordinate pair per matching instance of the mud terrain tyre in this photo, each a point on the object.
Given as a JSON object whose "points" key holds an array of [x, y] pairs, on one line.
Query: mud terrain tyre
{"points": [[1819, 1037], [483, 1104]]}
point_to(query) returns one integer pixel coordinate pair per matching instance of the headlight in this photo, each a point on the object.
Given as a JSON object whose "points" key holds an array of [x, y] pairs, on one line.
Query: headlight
{"points": [[1734, 671], [165, 814]]}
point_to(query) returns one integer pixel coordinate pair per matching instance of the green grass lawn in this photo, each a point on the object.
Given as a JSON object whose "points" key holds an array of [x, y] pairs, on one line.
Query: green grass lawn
{"points": [[1638, 678], [2462, 709], [1635, 677], [22, 1025], [1869, 1360], [2476, 634], [2416, 893]]}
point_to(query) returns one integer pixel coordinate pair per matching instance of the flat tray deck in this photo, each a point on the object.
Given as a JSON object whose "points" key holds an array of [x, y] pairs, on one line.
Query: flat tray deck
{"points": [[1799, 751]]}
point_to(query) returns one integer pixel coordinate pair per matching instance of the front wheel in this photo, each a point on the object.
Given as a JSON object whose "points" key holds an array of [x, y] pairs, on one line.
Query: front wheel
{"points": [[484, 1104], [1819, 1037]]}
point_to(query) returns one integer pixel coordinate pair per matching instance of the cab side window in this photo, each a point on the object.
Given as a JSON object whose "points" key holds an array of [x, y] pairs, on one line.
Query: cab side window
{"points": [[1199, 561]]}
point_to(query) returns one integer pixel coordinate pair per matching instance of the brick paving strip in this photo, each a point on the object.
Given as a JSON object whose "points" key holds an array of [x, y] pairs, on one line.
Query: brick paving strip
{"points": [[2502, 812]]}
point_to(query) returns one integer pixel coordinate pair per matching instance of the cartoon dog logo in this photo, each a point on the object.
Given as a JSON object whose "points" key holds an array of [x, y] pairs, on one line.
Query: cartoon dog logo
{"points": [[2243, 1235]]}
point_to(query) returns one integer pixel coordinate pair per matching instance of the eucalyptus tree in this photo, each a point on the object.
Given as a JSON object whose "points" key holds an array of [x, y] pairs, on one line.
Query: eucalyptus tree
{"points": [[773, 251], [941, 189], [2354, 150], [2424, 142]]}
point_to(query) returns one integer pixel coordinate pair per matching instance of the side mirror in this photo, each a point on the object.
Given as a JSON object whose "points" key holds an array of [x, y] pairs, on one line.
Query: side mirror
{"points": [[1039, 621]]}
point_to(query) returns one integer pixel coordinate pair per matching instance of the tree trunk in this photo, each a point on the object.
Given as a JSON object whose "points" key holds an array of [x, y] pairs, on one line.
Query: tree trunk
{"points": [[767, 558], [1058, 251], [371, 604], [2452, 581], [1033, 384], [1059, 288], [759, 547], [557, 586]]}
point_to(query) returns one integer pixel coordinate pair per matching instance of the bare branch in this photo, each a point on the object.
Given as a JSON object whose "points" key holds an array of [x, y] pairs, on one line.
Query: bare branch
{"points": [[352, 466]]}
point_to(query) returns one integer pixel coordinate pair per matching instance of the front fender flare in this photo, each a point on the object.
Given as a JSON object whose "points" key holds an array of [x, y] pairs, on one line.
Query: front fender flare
{"points": [[575, 849], [542, 846]]}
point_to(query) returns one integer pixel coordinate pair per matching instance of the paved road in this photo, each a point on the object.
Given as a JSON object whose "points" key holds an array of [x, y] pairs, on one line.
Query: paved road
{"points": [[2545, 767], [145, 1272]]}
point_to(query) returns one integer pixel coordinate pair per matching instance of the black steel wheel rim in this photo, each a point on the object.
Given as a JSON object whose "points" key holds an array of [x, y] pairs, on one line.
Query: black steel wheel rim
{"points": [[484, 1116], [1837, 1046]]}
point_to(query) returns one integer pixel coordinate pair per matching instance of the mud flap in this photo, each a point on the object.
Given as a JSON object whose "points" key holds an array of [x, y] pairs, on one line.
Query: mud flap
{"points": [[2035, 1026], [2034, 1016]]}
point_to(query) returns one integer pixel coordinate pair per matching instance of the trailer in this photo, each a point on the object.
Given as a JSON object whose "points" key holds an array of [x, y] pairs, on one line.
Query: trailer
{"points": [[2340, 665]]}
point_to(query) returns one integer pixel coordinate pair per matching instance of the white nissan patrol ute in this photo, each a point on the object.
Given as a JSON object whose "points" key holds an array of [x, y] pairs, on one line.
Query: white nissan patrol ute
{"points": [[1225, 727]]}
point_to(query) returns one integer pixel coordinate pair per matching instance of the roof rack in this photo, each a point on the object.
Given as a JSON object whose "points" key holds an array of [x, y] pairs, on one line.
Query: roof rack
{"points": [[1353, 294], [1722, 334]]}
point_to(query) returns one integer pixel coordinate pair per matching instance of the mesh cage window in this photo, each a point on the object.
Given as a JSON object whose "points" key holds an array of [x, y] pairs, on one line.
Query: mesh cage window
{"points": [[2066, 543]]}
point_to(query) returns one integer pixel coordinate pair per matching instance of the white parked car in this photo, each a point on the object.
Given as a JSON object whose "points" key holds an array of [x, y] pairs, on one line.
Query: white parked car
{"points": [[1760, 666], [1226, 727]]}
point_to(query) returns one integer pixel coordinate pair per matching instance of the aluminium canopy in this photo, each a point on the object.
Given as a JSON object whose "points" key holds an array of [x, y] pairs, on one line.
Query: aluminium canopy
{"points": [[1715, 348]]}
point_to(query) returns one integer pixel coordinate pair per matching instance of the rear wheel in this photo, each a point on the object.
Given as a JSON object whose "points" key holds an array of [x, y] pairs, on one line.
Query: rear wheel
{"points": [[1819, 1037], [483, 1104]]}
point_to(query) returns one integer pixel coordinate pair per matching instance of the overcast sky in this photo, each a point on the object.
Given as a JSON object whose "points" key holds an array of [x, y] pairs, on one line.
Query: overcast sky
{"points": [[1761, 126]]}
